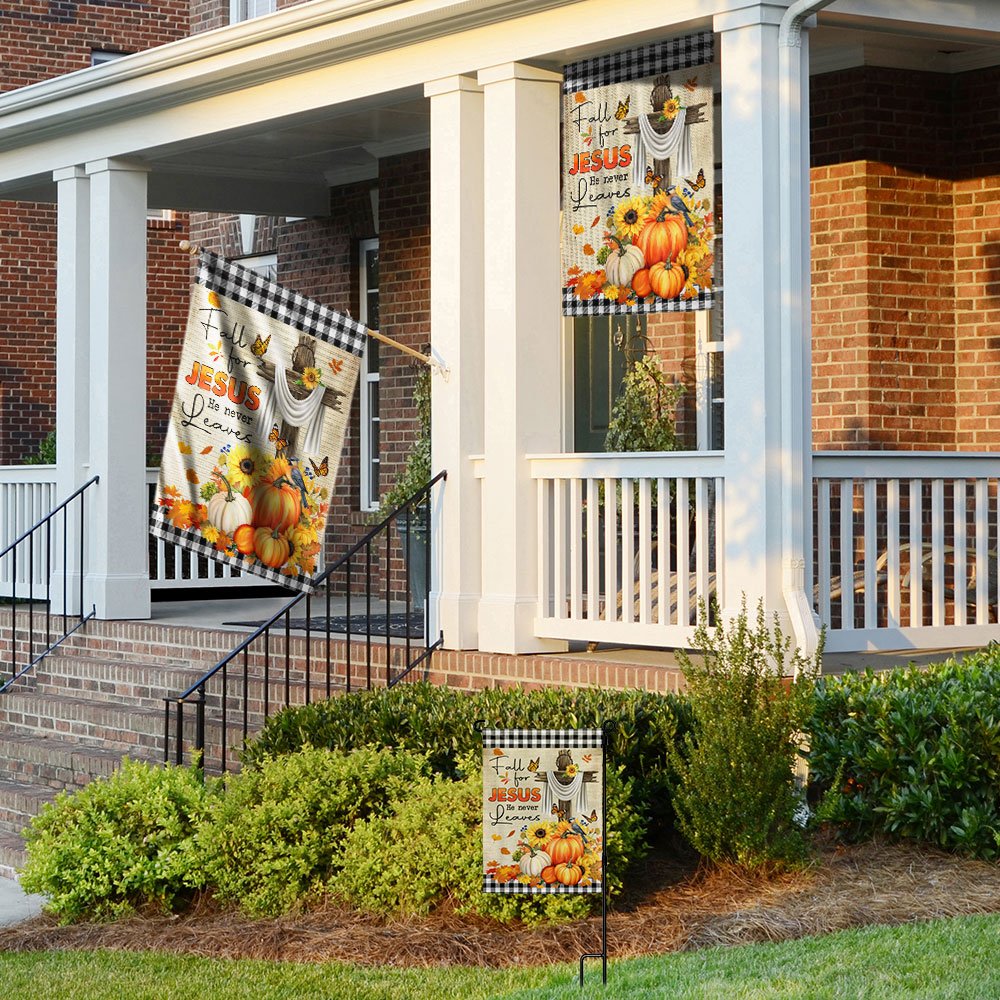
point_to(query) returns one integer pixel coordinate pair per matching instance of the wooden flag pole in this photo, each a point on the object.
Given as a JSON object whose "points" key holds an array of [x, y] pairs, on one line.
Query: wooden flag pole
{"points": [[434, 364]]}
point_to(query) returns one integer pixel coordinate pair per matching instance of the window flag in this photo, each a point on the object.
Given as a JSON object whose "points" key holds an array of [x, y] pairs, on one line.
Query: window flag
{"points": [[638, 180]]}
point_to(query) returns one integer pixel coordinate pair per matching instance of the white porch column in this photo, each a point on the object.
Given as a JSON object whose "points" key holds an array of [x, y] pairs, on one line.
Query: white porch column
{"points": [[72, 371], [457, 340], [119, 578], [522, 384], [759, 374]]}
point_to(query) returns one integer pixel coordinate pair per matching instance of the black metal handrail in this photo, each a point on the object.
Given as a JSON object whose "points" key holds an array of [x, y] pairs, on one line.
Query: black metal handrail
{"points": [[257, 686], [28, 539]]}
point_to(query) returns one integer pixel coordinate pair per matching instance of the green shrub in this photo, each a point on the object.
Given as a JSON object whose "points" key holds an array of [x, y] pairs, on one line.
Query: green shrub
{"points": [[118, 843], [438, 722], [274, 839], [737, 799], [918, 752], [429, 849]]}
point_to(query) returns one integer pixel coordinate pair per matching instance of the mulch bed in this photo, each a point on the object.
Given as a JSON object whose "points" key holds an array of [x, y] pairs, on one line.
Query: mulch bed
{"points": [[687, 908]]}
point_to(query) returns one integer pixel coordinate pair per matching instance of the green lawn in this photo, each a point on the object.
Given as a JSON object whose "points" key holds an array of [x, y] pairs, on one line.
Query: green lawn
{"points": [[934, 961]]}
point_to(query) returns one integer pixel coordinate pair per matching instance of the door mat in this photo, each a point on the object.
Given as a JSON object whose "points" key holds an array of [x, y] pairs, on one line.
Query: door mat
{"points": [[397, 625]]}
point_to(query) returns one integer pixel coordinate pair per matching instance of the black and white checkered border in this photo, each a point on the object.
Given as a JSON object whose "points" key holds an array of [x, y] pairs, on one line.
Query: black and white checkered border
{"points": [[544, 739], [271, 299], [634, 64], [510, 888], [193, 542], [572, 306]]}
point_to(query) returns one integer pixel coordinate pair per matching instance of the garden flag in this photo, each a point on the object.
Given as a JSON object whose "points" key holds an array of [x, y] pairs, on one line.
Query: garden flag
{"points": [[638, 181], [543, 810], [260, 408]]}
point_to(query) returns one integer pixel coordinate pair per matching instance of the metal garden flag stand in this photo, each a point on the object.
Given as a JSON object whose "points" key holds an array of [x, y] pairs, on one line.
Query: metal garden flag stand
{"points": [[544, 809]]}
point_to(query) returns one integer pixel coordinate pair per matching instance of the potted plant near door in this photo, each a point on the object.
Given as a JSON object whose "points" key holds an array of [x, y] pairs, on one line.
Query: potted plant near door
{"points": [[413, 537]]}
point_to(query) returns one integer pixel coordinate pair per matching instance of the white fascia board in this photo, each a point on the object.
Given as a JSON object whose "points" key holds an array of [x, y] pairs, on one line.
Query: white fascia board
{"points": [[251, 52]]}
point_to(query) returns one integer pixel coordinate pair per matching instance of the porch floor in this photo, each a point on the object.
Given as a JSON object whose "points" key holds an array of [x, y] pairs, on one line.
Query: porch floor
{"points": [[214, 614]]}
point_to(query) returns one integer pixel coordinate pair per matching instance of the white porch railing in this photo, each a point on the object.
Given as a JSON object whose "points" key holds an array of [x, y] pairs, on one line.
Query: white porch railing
{"points": [[628, 544], [28, 493], [905, 549]]}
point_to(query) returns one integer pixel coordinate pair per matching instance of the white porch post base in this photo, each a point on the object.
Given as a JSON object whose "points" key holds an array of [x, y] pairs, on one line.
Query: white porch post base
{"points": [[458, 619], [118, 577], [522, 323], [507, 625]]}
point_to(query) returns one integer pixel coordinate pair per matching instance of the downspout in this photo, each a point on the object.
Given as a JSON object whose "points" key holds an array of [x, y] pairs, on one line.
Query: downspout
{"points": [[796, 347]]}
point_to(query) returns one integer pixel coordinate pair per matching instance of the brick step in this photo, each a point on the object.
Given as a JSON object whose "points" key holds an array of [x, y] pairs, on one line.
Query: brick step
{"points": [[51, 762], [116, 727], [19, 802], [12, 854], [119, 681]]}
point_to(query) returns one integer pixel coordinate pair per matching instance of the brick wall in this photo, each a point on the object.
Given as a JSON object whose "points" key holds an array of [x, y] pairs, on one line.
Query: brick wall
{"points": [[38, 43], [906, 230]]}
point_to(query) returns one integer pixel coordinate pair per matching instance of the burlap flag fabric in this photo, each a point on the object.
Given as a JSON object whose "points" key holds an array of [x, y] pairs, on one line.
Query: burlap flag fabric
{"points": [[261, 405]]}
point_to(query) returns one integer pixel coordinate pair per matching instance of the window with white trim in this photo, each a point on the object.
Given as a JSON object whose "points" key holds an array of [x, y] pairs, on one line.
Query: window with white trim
{"points": [[244, 10], [368, 297], [265, 264]]}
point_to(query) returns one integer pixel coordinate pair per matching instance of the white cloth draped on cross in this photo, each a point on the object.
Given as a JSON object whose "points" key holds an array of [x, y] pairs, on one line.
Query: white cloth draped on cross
{"points": [[673, 144], [303, 413], [573, 791]]}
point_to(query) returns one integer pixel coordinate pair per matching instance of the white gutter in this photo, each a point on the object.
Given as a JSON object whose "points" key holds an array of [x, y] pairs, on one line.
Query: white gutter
{"points": [[796, 348]]}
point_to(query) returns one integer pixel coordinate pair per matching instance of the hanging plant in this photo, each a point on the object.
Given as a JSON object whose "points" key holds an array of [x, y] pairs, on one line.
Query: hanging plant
{"points": [[643, 417]]}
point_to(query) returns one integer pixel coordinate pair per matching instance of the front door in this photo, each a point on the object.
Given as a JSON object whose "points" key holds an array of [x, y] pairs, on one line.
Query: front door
{"points": [[600, 344]]}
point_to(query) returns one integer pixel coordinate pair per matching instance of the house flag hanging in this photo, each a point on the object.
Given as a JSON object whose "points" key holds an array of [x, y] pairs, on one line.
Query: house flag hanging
{"points": [[261, 405], [543, 810], [638, 180]]}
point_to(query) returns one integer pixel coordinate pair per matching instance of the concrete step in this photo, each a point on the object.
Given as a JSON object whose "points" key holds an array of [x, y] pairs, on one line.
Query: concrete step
{"points": [[52, 762]]}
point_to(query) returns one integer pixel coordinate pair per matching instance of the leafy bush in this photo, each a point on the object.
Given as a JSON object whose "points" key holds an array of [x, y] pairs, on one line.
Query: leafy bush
{"points": [[438, 723], [45, 453], [737, 799], [917, 752], [118, 843], [274, 839], [429, 849]]}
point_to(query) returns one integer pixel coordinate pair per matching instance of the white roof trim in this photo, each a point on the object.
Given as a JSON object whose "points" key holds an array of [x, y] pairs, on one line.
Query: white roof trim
{"points": [[321, 32]]}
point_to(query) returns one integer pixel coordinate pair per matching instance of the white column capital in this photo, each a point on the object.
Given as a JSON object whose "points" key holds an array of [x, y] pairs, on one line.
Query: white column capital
{"points": [[764, 13], [107, 164], [517, 71], [69, 173], [451, 85]]}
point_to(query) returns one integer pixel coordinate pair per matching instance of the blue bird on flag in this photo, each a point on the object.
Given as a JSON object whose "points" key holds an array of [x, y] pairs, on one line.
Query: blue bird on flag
{"points": [[296, 477]]}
